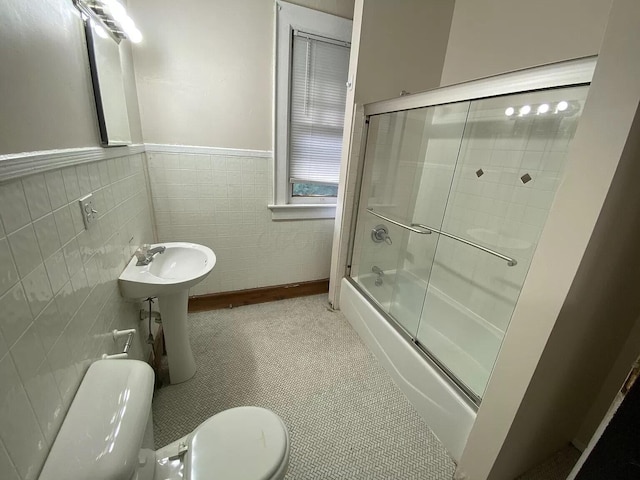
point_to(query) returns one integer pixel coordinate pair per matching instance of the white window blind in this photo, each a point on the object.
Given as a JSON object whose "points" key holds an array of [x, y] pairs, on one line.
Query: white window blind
{"points": [[319, 73]]}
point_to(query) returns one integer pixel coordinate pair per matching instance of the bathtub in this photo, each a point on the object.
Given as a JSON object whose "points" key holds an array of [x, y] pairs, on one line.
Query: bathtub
{"points": [[441, 404]]}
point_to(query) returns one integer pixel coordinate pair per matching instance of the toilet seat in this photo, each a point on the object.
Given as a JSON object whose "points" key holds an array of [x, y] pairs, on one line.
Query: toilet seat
{"points": [[241, 443]]}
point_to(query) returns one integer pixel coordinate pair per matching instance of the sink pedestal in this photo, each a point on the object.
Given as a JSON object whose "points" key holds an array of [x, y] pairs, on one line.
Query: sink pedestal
{"points": [[173, 309]]}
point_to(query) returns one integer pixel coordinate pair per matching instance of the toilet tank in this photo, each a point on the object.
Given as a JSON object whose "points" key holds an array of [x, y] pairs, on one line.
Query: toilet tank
{"points": [[101, 435]]}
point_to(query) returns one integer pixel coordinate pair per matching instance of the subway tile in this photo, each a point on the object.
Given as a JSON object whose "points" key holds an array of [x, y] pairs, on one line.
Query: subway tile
{"points": [[8, 272], [80, 286], [4, 348], [76, 218], [35, 190], [19, 427], [91, 270], [233, 164], [71, 185], [6, 465], [204, 177], [57, 271], [45, 400], [219, 164], [28, 354], [83, 179], [104, 173], [13, 206], [16, 315], [25, 249], [37, 289], [47, 235], [63, 369], [187, 161], [56, 189], [49, 325], [172, 161], [64, 224], [94, 176], [72, 257]]}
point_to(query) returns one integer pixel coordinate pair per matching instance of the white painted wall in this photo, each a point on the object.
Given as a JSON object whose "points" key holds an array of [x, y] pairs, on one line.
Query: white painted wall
{"points": [[495, 36], [395, 46], [47, 97], [205, 72], [402, 47]]}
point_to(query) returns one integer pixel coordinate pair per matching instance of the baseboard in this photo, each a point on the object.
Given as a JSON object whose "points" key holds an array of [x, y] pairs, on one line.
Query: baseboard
{"points": [[214, 301]]}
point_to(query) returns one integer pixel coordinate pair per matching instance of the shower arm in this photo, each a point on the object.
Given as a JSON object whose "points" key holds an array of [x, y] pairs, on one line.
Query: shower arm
{"points": [[511, 262]]}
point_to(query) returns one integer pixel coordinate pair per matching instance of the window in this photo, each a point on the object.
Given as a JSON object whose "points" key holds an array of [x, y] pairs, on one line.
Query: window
{"points": [[311, 76]]}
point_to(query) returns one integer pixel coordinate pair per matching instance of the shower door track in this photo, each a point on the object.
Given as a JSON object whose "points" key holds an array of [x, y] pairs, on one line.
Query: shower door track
{"points": [[562, 74]]}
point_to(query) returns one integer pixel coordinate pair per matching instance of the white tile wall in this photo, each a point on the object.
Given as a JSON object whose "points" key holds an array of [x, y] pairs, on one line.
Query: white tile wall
{"points": [[498, 210], [59, 296], [221, 201]]}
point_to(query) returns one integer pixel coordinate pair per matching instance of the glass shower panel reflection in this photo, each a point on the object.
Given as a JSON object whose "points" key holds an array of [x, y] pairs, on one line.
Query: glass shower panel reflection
{"points": [[409, 165], [511, 161]]}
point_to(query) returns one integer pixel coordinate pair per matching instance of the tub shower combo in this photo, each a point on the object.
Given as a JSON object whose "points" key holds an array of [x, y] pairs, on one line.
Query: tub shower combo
{"points": [[455, 187]]}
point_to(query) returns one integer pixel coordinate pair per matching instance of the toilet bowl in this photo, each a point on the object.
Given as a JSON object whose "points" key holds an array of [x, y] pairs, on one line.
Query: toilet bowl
{"points": [[108, 434]]}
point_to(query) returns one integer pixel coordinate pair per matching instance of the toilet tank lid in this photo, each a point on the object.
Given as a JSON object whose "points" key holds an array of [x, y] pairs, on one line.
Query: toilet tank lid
{"points": [[101, 435]]}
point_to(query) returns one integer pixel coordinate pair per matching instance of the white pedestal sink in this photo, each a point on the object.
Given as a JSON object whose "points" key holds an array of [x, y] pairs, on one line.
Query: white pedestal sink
{"points": [[169, 276]]}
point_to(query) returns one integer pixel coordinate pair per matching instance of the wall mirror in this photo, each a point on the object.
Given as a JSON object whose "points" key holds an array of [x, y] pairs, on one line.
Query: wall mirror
{"points": [[106, 24], [108, 85]]}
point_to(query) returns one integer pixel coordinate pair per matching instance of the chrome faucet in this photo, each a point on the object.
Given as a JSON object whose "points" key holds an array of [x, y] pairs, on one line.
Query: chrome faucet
{"points": [[145, 254]]}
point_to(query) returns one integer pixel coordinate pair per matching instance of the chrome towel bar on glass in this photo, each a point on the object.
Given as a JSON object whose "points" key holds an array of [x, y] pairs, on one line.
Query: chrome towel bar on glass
{"points": [[427, 230]]}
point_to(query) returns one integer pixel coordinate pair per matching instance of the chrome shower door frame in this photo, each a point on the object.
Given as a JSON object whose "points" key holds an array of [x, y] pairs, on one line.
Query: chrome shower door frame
{"points": [[557, 75]]}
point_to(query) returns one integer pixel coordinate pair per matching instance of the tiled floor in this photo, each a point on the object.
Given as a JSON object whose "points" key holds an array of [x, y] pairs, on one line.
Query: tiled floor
{"points": [[346, 417]]}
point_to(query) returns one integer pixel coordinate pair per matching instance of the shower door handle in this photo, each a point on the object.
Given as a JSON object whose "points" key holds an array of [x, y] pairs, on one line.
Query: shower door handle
{"points": [[511, 262], [394, 222]]}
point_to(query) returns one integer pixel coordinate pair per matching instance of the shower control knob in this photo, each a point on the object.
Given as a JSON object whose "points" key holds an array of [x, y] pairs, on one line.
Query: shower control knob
{"points": [[381, 234]]}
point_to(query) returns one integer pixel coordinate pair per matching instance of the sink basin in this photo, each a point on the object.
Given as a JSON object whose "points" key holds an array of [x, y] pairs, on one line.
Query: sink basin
{"points": [[169, 277], [181, 266]]}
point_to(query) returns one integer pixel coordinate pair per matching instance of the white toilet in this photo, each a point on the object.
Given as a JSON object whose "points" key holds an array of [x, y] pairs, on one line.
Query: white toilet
{"points": [[108, 434]]}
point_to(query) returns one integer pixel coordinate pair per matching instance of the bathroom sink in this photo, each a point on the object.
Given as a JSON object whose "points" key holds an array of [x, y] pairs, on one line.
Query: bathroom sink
{"points": [[181, 266], [169, 275]]}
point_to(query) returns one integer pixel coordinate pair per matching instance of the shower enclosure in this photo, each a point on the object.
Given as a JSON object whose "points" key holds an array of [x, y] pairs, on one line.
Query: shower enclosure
{"points": [[455, 190]]}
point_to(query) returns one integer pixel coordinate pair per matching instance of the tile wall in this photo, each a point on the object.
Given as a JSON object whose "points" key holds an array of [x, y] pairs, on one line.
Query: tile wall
{"points": [[59, 296], [221, 201], [497, 209]]}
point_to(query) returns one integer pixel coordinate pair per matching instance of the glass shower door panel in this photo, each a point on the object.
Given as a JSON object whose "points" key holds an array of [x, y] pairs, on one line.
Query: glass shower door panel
{"points": [[409, 164], [511, 162]]}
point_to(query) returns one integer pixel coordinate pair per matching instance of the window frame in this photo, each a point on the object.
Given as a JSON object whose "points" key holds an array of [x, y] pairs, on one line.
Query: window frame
{"points": [[291, 17]]}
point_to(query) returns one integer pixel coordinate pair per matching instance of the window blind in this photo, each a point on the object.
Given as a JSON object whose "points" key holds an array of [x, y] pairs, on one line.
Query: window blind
{"points": [[318, 95]]}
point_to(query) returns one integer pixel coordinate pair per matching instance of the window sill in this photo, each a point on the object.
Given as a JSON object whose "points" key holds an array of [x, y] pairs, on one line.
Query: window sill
{"points": [[302, 211]]}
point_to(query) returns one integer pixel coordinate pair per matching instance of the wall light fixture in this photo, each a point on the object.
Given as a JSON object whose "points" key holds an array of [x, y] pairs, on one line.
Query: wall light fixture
{"points": [[112, 17]]}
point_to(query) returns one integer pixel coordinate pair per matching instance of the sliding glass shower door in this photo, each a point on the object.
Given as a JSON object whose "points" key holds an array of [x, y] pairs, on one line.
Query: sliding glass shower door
{"points": [[511, 161], [453, 200], [411, 158]]}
